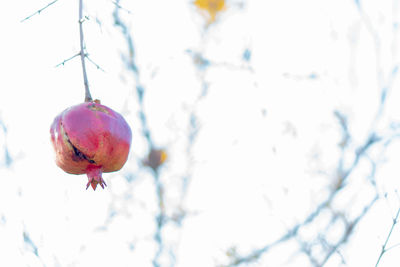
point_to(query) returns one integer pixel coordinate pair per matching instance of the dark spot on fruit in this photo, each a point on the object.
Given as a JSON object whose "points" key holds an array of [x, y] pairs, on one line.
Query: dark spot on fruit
{"points": [[78, 155]]}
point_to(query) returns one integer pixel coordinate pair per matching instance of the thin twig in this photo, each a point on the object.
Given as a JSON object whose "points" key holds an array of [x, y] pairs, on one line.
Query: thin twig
{"points": [[395, 221], [40, 10], [88, 96], [94, 63], [394, 246], [68, 59], [77, 55]]}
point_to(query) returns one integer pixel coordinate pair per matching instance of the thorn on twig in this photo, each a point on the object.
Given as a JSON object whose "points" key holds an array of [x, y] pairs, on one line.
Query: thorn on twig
{"points": [[40, 10]]}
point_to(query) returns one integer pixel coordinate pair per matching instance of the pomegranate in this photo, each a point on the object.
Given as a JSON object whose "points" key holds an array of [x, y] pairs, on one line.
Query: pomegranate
{"points": [[90, 138]]}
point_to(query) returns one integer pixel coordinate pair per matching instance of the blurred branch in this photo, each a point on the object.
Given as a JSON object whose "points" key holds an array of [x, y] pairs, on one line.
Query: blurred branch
{"points": [[30, 243], [131, 64], [8, 160], [384, 94], [121, 7], [160, 220], [348, 231], [343, 174], [345, 130], [39, 11], [140, 90]]}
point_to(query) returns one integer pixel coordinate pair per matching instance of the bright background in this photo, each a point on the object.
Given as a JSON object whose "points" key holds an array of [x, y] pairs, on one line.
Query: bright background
{"points": [[245, 108]]}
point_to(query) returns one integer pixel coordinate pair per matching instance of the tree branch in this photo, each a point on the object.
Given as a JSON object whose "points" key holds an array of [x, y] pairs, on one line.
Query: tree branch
{"points": [[88, 96], [40, 10], [66, 60]]}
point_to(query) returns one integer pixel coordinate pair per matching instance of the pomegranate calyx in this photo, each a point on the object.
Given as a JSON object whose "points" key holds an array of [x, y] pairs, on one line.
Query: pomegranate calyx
{"points": [[94, 176]]}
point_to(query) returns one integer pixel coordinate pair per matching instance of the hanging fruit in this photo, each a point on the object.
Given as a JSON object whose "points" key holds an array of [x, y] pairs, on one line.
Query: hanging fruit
{"points": [[90, 138]]}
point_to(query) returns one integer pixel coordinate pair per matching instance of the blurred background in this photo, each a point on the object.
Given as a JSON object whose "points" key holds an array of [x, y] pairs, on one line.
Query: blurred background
{"points": [[265, 133]]}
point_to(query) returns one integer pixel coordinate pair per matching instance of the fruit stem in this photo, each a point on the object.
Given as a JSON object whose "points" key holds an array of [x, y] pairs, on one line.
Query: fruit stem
{"points": [[88, 96]]}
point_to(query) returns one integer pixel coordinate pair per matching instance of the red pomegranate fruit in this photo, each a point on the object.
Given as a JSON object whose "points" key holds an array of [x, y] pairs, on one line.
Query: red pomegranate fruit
{"points": [[90, 138]]}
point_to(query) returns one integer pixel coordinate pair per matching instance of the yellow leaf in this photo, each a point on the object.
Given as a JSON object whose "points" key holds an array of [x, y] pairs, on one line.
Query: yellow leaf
{"points": [[213, 7], [163, 157]]}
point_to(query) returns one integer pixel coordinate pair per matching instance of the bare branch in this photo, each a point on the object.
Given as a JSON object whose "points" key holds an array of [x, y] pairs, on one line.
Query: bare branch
{"points": [[88, 96], [94, 63], [40, 10], [66, 60], [394, 246], [77, 55]]}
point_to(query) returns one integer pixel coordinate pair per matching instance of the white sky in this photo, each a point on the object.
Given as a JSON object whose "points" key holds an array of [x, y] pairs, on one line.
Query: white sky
{"points": [[267, 145]]}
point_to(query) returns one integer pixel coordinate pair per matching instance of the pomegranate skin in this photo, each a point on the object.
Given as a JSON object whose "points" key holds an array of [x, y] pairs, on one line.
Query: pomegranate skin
{"points": [[90, 138]]}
